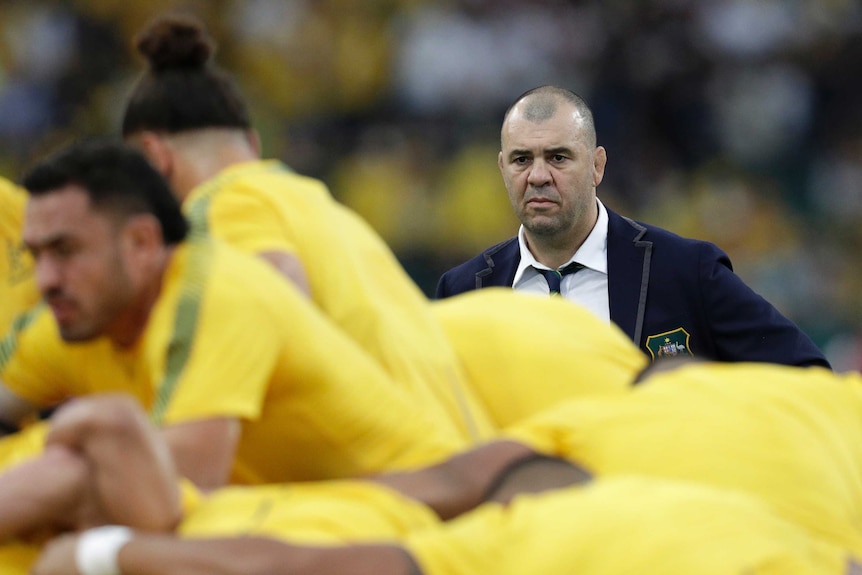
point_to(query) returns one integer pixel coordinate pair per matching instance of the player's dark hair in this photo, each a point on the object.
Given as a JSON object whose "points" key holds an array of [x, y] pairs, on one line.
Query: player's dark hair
{"points": [[182, 89], [116, 177]]}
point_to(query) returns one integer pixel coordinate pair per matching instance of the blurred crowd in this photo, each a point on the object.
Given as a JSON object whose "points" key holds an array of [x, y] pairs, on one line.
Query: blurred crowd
{"points": [[735, 121]]}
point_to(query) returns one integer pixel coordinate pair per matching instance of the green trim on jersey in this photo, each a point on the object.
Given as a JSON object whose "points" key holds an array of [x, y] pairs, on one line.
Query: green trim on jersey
{"points": [[199, 258], [10, 341], [197, 217]]}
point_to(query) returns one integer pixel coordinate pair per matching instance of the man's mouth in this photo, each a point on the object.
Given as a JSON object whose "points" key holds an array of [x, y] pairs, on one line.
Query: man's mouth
{"points": [[540, 203], [62, 309]]}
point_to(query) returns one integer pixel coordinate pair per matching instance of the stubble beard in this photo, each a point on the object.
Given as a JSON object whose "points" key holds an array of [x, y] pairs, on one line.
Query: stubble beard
{"points": [[107, 311], [547, 225], [78, 332]]}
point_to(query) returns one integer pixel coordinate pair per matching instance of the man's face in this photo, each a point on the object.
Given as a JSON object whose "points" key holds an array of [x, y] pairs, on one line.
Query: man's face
{"points": [[80, 266], [551, 172]]}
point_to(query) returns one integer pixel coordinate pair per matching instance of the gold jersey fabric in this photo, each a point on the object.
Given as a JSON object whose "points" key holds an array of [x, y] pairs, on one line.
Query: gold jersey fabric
{"points": [[17, 285], [354, 278], [229, 338], [17, 557], [523, 354], [625, 525], [790, 436], [17, 447], [326, 512]]}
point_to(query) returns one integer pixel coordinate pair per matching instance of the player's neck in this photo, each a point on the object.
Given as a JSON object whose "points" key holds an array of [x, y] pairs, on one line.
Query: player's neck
{"points": [[206, 154], [131, 322]]}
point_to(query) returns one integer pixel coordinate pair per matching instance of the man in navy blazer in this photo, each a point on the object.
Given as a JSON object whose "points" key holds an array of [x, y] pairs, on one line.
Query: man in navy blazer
{"points": [[672, 295]]}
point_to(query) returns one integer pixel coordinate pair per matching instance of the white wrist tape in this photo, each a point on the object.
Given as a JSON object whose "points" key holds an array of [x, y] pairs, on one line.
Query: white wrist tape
{"points": [[98, 548]]}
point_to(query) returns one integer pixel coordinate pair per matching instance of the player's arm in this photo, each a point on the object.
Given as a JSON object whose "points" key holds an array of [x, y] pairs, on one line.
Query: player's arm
{"points": [[203, 451], [461, 482], [167, 555], [289, 266], [103, 463], [43, 494], [130, 471], [496, 471]]}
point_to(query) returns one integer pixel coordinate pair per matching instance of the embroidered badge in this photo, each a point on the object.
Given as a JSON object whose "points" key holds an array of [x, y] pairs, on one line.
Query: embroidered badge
{"points": [[668, 344]]}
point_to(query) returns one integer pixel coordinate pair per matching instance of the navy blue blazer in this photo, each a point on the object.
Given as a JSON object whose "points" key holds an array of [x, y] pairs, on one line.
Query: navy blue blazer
{"points": [[670, 294]]}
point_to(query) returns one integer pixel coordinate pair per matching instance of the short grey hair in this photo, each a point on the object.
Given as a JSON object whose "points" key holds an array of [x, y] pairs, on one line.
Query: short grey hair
{"points": [[543, 104]]}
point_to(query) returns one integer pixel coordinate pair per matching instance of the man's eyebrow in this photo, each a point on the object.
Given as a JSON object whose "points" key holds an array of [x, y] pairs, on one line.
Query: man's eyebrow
{"points": [[518, 152], [48, 242], [564, 150]]}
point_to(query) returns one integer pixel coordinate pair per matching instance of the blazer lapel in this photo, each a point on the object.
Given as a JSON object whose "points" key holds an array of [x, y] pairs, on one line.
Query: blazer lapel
{"points": [[502, 261], [628, 274]]}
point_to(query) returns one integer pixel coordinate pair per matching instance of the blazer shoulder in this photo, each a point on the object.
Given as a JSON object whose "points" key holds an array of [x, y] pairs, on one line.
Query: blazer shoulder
{"points": [[637, 231], [506, 250], [463, 276]]}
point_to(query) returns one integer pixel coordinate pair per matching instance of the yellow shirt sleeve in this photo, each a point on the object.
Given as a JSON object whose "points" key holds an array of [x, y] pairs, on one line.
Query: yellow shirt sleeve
{"points": [[789, 436], [34, 364], [625, 525]]}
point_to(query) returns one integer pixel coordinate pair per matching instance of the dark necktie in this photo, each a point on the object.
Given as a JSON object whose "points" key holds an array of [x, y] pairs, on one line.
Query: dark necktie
{"points": [[554, 277]]}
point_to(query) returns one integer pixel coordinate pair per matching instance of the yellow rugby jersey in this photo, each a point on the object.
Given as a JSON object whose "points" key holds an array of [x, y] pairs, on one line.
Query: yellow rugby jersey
{"points": [[523, 354], [791, 436], [625, 525], [17, 557], [325, 512], [229, 338], [18, 290], [18, 447], [354, 277]]}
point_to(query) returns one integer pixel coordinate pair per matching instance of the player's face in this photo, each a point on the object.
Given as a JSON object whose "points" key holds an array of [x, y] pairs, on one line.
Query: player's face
{"points": [[550, 172], [80, 266]]}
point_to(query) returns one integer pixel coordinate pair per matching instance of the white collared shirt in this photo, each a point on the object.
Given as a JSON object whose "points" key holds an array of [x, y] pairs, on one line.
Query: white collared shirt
{"points": [[588, 287]]}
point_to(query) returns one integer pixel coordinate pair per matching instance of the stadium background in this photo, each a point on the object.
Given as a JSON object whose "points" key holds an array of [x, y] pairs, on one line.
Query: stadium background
{"points": [[736, 121]]}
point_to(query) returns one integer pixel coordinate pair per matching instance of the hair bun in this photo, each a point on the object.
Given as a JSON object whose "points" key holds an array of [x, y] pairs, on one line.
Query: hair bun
{"points": [[175, 42]]}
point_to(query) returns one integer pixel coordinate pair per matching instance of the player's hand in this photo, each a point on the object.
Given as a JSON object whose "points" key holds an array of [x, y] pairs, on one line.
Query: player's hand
{"points": [[57, 557]]}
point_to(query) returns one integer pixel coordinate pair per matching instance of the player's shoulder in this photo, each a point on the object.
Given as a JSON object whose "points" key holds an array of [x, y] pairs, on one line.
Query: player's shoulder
{"points": [[9, 191], [12, 200], [276, 177]]}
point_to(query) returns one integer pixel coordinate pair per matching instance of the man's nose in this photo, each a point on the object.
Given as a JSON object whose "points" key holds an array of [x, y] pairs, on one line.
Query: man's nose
{"points": [[48, 274], [539, 173]]}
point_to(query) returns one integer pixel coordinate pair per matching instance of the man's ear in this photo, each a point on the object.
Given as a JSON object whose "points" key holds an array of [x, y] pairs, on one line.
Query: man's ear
{"points": [[142, 237], [254, 141], [157, 150], [600, 159]]}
